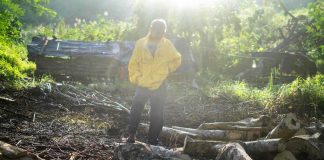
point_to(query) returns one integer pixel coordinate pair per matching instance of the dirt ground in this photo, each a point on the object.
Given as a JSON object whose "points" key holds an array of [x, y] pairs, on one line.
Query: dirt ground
{"points": [[62, 121]]}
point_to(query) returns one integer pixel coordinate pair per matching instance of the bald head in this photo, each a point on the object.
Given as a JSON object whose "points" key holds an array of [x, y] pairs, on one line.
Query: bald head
{"points": [[159, 24], [158, 29]]}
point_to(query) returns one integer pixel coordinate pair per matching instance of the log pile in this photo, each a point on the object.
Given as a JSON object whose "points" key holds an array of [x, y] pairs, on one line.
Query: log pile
{"points": [[247, 139]]}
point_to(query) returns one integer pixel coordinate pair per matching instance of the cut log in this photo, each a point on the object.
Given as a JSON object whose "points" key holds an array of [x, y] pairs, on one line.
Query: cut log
{"points": [[200, 147], [140, 150], [261, 149], [264, 146], [168, 135], [221, 135], [286, 128], [285, 155], [262, 121], [11, 151], [8, 151], [233, 151], [264, 149], [316, 127], [321, 137], [306, 147], [234, 127]]}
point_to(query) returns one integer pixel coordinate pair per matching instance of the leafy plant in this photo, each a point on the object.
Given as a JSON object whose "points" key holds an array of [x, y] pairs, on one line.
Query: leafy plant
{"points": [[14, 64], [302, 95]]}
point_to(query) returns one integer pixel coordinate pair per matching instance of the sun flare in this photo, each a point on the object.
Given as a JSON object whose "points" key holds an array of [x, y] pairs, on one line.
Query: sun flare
{"points": [[185, 4]]}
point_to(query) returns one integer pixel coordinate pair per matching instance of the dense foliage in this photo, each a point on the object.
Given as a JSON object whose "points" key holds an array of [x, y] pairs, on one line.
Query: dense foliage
{"points": [[222, 33], [14, 65], [95, 30]]}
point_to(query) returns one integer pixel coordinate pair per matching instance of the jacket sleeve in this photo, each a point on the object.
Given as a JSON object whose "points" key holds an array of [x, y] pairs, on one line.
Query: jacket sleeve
{"points": [[175, 60], [134, 72]]}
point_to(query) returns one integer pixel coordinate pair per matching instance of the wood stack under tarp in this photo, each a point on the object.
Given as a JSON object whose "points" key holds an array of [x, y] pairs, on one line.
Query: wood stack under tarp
{"points": [[252, 138], [79, 59]]}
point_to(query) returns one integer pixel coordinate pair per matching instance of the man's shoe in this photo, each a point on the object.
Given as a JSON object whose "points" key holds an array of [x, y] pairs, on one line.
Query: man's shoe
{"points": [[131, 139]]}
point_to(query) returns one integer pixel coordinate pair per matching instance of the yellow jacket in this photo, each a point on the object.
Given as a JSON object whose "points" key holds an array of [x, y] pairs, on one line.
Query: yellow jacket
{"points": [[148, 71]]}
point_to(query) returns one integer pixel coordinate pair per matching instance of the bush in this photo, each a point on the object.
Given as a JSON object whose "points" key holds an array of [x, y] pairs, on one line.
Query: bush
{"points": [[302, 95], [14, 64]]}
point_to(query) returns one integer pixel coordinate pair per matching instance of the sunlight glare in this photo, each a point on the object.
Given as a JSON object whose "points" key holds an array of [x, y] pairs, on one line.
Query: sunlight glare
{"points": [[185, 4], [190, 4], [182, 4]]}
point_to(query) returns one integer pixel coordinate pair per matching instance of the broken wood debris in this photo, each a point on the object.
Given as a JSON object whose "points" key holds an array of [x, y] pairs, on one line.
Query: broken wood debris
{"points": [[224, 140], [8, 151]]}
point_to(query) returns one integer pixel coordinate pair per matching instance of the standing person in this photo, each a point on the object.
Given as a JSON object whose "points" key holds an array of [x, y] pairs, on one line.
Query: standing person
{"points": [[153, 59]]}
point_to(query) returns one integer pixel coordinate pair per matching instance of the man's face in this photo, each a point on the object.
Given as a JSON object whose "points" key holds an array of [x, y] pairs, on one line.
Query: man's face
{"points": [[157, 33]]}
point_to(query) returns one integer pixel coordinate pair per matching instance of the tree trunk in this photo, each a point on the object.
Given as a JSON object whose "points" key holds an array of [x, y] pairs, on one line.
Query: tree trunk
{"points": [[221, 135], [264, 149], [200, 147], [233, 151], [286, 128], [245, 124], [306, 147], [261, 149], [232, 127], [169, 136], [262, 146]]}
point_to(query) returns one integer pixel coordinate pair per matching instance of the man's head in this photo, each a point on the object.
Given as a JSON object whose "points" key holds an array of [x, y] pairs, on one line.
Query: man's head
{"points": [[158, 29]]}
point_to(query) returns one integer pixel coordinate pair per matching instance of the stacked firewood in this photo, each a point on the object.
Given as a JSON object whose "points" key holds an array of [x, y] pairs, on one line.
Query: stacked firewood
{"points": [[246, 139], [77, 67]]}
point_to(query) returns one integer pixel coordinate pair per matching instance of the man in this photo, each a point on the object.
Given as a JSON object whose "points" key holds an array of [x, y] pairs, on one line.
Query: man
{"points": [[153, 59]]}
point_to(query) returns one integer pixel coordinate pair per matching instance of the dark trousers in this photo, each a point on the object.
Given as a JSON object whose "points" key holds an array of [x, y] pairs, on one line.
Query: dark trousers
{"points": [[157, 100]]}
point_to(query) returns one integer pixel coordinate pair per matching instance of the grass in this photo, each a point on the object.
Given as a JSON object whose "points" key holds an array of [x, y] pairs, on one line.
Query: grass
{"points": [[304, 96], [242, 91]]}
